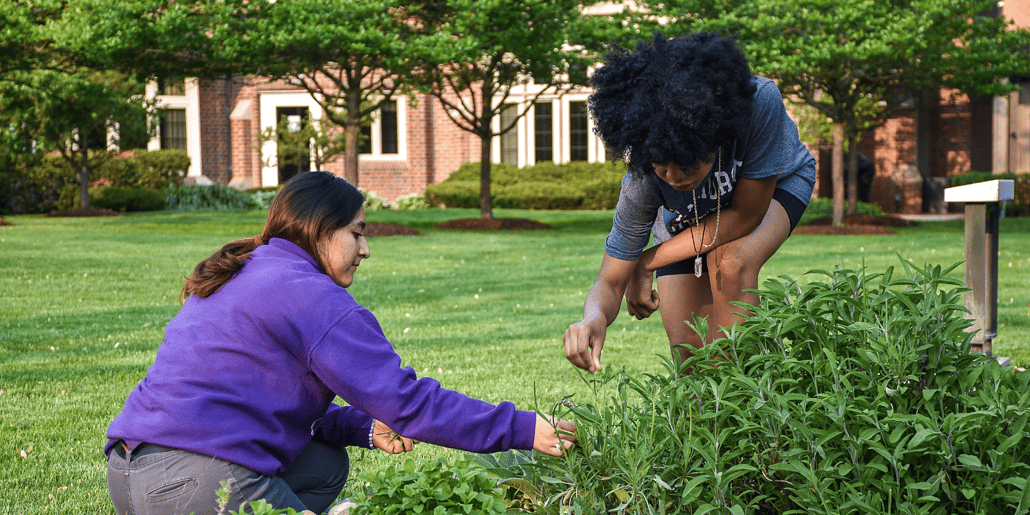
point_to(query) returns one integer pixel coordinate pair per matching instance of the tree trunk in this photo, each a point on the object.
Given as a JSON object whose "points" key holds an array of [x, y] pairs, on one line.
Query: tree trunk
{"points": [[852, 173], [84, 171], [485, 206], [838, 174], [350, 159]]}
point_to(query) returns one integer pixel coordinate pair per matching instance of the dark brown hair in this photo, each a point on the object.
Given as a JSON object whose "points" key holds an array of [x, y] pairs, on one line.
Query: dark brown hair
{"points": [[307, 207]]}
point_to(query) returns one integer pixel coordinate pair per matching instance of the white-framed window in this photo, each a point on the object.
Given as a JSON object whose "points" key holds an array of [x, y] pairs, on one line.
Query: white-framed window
{"points": [[273, 105], [385, 138], [555, 128], [179, 125]]}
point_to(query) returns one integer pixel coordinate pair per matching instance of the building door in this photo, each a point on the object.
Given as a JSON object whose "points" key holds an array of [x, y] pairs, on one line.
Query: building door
{"points": [[293, 154]]}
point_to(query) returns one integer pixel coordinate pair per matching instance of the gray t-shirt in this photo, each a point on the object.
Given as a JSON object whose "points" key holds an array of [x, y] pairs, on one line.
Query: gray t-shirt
{"points": [[770, 148]]}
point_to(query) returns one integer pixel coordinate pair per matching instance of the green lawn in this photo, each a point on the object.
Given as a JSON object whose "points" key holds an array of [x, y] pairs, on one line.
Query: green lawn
{"points": [[85, 302]]}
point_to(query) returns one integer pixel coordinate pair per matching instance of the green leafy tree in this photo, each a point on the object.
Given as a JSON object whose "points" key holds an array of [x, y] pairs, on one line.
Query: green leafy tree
{"points": [[350, 64], [73, 113], [49, 99], [352, 56], [497, 47], [859, 62]]}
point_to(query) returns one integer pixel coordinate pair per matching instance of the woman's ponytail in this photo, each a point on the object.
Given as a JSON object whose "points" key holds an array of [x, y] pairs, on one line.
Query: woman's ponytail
{"points": [[212, 273]]}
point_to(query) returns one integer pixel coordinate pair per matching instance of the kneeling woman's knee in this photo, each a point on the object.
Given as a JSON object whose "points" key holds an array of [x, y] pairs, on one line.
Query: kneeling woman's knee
{"points": [[734, 267]]}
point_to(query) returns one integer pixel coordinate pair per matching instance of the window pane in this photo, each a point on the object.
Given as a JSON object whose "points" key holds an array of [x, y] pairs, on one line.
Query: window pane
{"points": [[173, 129], [510, 139], [365, 140], [544, 142], [389, 127], [578, 132], [172, 86]]}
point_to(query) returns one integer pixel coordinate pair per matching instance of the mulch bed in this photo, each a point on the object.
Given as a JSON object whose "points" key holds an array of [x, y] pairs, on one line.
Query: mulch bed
{"points": [[493, 224], [855, 224], [4, 222], [375, 229], [86, 212]]}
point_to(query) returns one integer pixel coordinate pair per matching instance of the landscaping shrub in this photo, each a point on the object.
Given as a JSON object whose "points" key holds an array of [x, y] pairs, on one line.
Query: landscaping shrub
{"points": [[410, 202], [1020, 205], [262, 197], [454, 194], [546, 185], [53, 184], [125, 199], [857, 394], [213, 197], [373, 202], [823, 206]]}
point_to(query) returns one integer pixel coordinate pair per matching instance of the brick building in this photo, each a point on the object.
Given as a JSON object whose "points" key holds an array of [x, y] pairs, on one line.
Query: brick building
{"points": [[412, 145]]}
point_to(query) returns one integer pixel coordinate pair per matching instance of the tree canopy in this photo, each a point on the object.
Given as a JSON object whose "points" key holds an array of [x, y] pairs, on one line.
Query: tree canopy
{"points": [[498, 46], [859, 62]]}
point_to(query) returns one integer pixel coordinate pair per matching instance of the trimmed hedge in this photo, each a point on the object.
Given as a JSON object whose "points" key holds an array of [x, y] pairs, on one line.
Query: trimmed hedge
{"points": [[214, 197], [125, 199], [1020, 205], [569, 186], [53, 183]]}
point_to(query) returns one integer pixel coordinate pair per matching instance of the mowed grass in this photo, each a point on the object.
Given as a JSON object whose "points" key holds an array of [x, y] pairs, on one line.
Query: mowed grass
{"points": [[85, 301]]}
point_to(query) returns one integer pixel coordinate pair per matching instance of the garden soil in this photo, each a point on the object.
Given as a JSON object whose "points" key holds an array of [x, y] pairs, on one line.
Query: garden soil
{"points": [[853, 224]]}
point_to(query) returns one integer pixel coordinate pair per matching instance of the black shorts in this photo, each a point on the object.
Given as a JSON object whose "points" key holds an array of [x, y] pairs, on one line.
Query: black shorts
{"points": [[791, 204]]}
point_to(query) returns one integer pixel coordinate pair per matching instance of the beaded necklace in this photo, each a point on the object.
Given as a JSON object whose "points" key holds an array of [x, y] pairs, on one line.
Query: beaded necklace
{"points": [[697, 221]]}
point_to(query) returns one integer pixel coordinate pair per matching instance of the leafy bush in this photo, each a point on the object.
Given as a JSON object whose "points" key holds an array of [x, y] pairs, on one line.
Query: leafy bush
{"points": [[53, 184], [1020, 205], [410, 202], [854, 395], [820, 207], [575, 185], [434, 487], [125, 199], [373, 202], [213, 197], [160, 168], [262, 197]]}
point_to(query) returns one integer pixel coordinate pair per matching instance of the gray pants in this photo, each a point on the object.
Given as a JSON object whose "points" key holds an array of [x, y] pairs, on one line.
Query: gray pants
{"points": [[156, 480]]}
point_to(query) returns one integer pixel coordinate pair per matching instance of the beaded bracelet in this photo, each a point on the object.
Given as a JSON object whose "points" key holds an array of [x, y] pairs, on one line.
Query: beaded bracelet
{"points": [[371, 431]]}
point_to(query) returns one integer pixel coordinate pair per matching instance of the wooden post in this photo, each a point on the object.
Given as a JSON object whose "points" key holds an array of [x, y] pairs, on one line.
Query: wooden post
{"points": [[983, 214]]}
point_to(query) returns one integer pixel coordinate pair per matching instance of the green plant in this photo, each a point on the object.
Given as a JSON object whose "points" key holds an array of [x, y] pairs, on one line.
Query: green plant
{"points": [[215, 197], [439, 487], [545, 185], [259, 507], [373, 202], [819, 207], [854, 395], [410, 202], [262, 197], [125, 199]]}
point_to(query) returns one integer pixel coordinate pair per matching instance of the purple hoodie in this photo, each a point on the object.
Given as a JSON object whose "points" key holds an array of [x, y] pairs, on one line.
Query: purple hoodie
{"points": [[248, 375]]}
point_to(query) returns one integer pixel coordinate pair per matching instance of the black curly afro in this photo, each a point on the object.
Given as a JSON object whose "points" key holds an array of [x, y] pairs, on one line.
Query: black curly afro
{"points": [[676, 99]]}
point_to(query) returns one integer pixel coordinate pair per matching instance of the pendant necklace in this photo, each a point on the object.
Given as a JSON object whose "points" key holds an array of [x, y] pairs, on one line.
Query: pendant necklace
{"points": [[697, 221]]}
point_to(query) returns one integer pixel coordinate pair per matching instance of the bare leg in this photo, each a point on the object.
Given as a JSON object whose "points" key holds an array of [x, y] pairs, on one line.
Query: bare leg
{"points": [[732, 268]]}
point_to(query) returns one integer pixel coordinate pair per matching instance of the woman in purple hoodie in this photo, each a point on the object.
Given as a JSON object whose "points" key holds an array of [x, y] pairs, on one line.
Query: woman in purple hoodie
{"points": [[242, 388]]}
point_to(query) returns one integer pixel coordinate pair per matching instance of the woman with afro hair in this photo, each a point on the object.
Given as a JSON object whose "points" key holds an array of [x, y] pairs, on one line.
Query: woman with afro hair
{"points": [[716, 171]]}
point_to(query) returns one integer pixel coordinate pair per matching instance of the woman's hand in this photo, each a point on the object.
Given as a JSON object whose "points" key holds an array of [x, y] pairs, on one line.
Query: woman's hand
{"points": [[641, 298], [553, 436], [387, 440], [583, 343]]}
